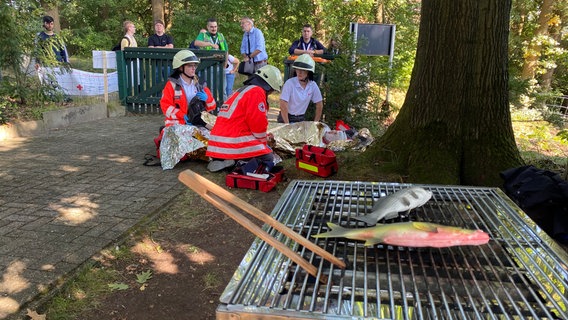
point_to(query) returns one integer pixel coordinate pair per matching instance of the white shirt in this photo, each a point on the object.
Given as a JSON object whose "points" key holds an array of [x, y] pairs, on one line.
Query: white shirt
{"points": [[230, 61], [189, 89], [299, 98]]}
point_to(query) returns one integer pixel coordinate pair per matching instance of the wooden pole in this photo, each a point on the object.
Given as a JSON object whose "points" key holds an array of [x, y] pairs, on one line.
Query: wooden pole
{"points": [[221, 199], [105, 75]]}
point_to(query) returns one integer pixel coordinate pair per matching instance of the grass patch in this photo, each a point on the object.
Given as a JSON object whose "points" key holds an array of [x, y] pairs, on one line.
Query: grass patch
{"points": [[83, 292], [211, 280]]}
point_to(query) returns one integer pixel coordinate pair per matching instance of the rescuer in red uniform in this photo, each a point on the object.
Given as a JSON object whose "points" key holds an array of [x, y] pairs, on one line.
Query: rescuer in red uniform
{"points": [[177, 102], [239, 132]]}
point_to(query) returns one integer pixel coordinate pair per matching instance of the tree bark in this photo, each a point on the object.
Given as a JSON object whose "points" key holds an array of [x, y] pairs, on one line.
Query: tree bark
{"points": [[157, 10], [534, 49], [51, 9], [455, 126]]}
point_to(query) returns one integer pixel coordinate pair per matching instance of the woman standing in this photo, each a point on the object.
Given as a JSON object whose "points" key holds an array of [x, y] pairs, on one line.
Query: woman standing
{"points": [[298, 91]]}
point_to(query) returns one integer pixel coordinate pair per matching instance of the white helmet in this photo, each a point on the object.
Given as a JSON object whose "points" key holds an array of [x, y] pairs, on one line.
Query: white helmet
{"points": [[271, 75], [184, 57], [304, 62]]}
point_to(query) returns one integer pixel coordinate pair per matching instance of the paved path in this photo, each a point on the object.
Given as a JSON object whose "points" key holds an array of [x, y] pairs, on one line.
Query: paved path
{"points": [[65, 196]]}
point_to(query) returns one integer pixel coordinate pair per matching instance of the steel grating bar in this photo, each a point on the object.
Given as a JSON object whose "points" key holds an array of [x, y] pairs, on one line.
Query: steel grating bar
{"points": [[520, 274]]}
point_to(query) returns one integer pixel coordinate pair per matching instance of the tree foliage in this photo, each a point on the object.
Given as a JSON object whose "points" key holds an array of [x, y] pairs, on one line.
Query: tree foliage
{"points": [[97, 25]]}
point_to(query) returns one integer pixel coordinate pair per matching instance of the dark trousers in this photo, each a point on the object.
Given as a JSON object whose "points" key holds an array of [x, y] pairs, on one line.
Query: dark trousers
{"points": [[291, 118]]}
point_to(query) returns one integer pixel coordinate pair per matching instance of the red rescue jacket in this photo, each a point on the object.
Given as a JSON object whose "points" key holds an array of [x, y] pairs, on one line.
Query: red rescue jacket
{"points": [[240, 129], [174, 104]]}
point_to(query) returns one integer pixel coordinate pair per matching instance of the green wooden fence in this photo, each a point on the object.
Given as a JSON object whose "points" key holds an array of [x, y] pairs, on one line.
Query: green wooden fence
{"points": [[143, 72]]}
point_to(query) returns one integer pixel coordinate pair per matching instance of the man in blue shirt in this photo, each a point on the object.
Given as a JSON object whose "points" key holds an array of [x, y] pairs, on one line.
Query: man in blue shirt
{"points": [[253, 46]]}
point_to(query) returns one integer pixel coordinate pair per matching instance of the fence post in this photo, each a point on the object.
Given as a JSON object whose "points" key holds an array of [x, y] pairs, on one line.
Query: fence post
{"points": [[121, 73]]}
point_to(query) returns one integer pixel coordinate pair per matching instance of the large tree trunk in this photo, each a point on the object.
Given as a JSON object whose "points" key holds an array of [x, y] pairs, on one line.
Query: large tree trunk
{"points": [[157, 10], [534, 49], [455, 126], [51, 9]]}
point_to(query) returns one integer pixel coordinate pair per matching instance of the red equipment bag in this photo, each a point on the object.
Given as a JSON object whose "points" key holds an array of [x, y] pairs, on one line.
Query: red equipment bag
{"points": [[316, 160], [236, 179]]}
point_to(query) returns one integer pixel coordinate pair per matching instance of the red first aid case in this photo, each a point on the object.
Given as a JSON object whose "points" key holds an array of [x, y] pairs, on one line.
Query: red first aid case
{"points": [[236, 179], [316, 160]]}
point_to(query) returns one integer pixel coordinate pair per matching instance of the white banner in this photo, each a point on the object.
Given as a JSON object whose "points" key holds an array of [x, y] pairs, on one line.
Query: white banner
{"points": [[82, 83]]}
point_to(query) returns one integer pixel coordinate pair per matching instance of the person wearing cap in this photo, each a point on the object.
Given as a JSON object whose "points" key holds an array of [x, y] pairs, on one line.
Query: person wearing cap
{"points": [[160, 39], [184, 96], [253, 46], [299, 91], [240, 131]]}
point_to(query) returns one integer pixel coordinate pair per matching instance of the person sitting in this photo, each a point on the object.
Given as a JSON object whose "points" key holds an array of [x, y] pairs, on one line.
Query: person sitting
{"points": [[184, 96], [306, 44], [240, 131], [298, 91]]}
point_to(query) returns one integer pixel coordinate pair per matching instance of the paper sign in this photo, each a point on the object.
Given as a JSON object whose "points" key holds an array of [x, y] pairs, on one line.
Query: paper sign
{"points": [[99, 58]]}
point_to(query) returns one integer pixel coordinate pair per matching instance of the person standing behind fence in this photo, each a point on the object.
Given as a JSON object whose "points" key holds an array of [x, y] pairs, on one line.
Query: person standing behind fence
{"points": [[230, 69], [211, 39], [128, 40], [160, 39], [299, 91], [253, 46], [51, 52], [51, 47], [306, 44]]}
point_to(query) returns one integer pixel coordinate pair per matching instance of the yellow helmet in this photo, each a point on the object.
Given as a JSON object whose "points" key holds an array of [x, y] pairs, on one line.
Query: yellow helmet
{"points": [[184, 57], [271, 75], [305, 62]]}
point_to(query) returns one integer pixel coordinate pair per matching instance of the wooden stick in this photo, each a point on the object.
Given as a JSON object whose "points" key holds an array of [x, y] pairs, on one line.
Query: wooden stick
{"points": [[206, 189]]}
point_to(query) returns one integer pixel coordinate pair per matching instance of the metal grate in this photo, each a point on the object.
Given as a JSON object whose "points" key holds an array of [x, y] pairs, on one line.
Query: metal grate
{"points": [[520, 274]]}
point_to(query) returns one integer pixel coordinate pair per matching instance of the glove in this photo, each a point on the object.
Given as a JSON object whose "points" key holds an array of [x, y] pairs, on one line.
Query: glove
{"points": [[201, 96]]}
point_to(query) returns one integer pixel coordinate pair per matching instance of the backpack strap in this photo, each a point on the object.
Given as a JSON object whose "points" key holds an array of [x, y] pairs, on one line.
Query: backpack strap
{"points": [[177, 90]]}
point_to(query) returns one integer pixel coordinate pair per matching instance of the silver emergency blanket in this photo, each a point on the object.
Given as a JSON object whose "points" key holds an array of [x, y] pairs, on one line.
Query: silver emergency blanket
{"points": [[179, 140], [288, 137], [358, 142], [208, 118]]}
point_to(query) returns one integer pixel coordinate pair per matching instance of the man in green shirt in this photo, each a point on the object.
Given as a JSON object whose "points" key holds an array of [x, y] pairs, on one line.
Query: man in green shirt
{"points": [[211, 40]]}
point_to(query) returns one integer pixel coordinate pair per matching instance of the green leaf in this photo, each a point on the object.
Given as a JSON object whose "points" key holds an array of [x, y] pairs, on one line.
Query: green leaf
{"points": [[144, 277], [117, 286]]}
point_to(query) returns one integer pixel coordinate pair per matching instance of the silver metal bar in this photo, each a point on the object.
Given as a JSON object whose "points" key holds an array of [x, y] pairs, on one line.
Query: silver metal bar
{"points": [[520, 274]]}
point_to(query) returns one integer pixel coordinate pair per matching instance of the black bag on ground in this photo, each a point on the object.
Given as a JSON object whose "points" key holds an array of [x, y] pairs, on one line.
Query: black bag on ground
{"points": [[543, 196]]}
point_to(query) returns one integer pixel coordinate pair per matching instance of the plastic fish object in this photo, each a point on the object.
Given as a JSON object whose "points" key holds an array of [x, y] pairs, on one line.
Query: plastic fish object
{"points": [[410, 234], [389, 206]]}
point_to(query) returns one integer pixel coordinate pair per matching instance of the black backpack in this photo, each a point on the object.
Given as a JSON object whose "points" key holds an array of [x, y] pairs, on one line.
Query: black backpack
{"points": [[543, 196], [195, 106], [117, 47]]}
